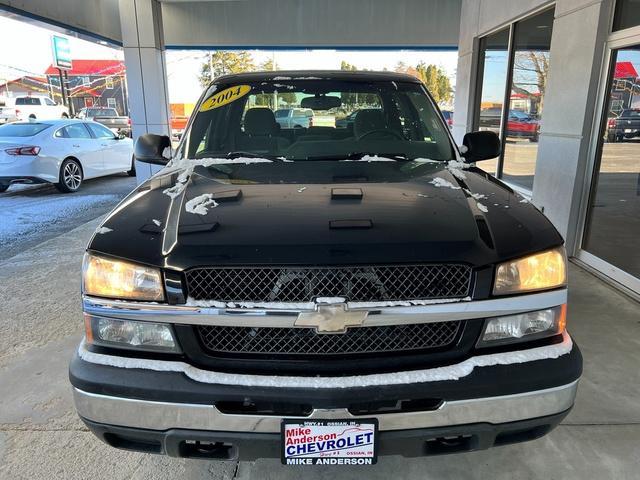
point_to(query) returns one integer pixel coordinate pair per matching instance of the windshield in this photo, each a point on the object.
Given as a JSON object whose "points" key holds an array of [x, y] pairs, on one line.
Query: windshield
{"points": [[318, 119], [22, 129]]}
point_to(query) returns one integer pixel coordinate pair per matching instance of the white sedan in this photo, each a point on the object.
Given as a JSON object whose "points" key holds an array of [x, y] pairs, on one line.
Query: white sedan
{"points": [[63, 152]]}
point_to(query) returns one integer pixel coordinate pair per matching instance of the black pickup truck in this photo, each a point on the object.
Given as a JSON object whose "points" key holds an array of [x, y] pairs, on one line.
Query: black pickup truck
{"points": [[625, 126], [323, 295]]}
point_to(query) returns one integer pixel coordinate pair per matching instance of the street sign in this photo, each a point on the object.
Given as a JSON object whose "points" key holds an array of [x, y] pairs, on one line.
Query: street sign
{"points": [[61, 52]]}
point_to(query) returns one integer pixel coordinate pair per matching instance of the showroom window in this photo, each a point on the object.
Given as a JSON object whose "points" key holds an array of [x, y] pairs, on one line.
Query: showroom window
{"points": [[494, 61], [613, 217], [520, 70]]}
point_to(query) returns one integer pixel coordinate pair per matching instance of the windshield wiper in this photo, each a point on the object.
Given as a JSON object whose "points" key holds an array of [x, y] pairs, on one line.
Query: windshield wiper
{"points": [[400, 157], [241, 153]]}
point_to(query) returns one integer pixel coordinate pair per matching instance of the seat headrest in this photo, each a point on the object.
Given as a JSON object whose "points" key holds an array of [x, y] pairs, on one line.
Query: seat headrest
{"points": [[260, 121], [367, 120]]}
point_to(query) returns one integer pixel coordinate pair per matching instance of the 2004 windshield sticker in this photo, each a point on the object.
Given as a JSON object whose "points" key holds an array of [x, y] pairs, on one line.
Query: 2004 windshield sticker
{"points": [[225, 97]]}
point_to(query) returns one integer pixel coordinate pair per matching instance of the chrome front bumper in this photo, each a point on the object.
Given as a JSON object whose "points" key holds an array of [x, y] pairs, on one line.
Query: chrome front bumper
{"points": [[162, 416]]}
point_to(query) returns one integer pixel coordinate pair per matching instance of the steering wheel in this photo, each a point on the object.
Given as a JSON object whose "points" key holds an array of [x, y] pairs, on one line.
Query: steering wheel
{"points": [[381, 130]]}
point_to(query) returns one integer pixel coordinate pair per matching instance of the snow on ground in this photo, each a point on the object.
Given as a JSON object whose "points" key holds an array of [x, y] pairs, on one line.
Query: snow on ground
{"points": [[26, 217]]}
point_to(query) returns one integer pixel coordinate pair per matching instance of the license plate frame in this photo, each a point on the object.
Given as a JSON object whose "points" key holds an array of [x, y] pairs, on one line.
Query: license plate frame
{"points": [[354, 434]]}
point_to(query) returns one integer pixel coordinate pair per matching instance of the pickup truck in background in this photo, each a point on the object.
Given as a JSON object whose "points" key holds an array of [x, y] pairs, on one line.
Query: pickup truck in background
{"points": [[108, 117], [7, 115], [38, 107], [627, 125], [294, 117]]}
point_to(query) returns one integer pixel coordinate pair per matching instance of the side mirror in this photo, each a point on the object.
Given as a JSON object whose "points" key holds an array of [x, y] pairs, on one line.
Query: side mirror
{"points": [[481, 146], [150, 147]]}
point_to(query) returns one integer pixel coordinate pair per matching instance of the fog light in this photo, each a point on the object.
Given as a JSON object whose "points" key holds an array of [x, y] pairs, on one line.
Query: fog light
{"points": [[524, 327], [146, 336]]}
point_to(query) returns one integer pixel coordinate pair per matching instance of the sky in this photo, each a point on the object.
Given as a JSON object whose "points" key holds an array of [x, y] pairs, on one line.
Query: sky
{"points": [[32, 55]]}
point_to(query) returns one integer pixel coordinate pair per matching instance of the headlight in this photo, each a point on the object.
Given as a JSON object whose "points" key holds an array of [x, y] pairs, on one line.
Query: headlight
{"points": [[147, 336], [116, 279], [524, 327], [540, 271]]}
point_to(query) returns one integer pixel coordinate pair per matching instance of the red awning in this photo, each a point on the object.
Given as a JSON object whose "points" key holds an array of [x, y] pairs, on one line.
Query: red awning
{"points": [[625, 70], [92, 67]]}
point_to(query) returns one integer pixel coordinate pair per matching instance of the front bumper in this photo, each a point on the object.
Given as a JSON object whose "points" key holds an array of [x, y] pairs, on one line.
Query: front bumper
{"points": [[416, 442], [167, 411]]}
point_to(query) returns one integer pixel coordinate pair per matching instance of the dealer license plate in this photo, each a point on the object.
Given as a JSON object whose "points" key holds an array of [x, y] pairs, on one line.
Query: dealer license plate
{"points": [[330, 442]]}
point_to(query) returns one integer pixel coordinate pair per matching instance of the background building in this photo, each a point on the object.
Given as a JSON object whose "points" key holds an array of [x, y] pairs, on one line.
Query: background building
{"points": [[93, 83]]}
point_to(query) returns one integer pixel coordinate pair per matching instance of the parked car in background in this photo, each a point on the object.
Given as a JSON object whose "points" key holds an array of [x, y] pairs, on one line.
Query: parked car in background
{"points": [[178, 124], [519, 124], [108, 117], [323, 295], [522, 125], [38, 107], [346, 122], [294, 117], [7, 114], [448, 117], [62, 152], [627, 125]]}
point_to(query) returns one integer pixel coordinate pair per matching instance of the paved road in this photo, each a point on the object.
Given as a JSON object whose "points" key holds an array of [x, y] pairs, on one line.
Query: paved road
{"points": [[41, 437], [33, 214]]}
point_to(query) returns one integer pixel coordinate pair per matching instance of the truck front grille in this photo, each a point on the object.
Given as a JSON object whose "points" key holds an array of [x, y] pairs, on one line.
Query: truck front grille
{"points": [[304, 284], [306, 341]]}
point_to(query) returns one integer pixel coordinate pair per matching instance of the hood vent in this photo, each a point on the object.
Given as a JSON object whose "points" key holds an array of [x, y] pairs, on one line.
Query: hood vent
{"points": [[350, 224], [346, 194]]}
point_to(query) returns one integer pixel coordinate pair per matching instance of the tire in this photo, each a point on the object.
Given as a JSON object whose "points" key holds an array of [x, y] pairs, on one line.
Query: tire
{"points": [[65, 115], [70, 176], [3, 187], [132, 171], [32, 116]]}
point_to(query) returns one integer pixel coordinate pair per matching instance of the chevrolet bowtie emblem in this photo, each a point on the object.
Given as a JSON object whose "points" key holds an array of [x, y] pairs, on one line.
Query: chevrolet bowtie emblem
{"points": [[331, 318]]}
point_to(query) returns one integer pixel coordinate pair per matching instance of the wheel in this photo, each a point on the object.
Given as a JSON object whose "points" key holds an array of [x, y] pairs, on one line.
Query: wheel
{"points": [[32, 116], [132, 171], [3, 187], [70, 177], [65, 115]]}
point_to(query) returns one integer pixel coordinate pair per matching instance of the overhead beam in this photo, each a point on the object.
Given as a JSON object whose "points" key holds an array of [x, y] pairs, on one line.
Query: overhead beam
{"points": [[88, 19], [312, 23]]}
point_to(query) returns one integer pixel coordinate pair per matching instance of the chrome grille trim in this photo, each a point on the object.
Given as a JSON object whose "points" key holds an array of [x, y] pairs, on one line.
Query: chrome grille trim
{"points": [[368, 283]]}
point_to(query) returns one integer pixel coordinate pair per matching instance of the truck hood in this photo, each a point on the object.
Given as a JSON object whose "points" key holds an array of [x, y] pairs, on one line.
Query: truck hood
{"points": [[443, 214]]}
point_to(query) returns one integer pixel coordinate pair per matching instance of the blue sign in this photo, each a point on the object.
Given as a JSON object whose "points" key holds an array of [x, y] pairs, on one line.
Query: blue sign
{"points": [[61, 52]]}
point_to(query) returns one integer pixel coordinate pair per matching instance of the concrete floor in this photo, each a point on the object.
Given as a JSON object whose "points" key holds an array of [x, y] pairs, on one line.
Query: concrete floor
{"points": [[41, 438]]}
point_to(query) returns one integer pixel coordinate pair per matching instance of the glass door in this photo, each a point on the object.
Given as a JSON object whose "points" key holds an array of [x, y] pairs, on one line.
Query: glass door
{"points": [[611, 237]]}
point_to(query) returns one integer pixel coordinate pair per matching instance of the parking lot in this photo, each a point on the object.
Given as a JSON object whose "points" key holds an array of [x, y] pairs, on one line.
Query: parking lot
{"points": [[40, 326], [32, 214]]}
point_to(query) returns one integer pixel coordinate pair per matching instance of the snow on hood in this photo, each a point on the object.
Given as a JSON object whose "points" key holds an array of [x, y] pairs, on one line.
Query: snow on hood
{"points": [[185, 166], [441, 182], [200, 205]]}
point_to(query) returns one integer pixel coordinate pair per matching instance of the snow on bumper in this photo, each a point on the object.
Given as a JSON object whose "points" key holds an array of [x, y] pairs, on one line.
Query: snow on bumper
{"points": [[450, 372]]}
